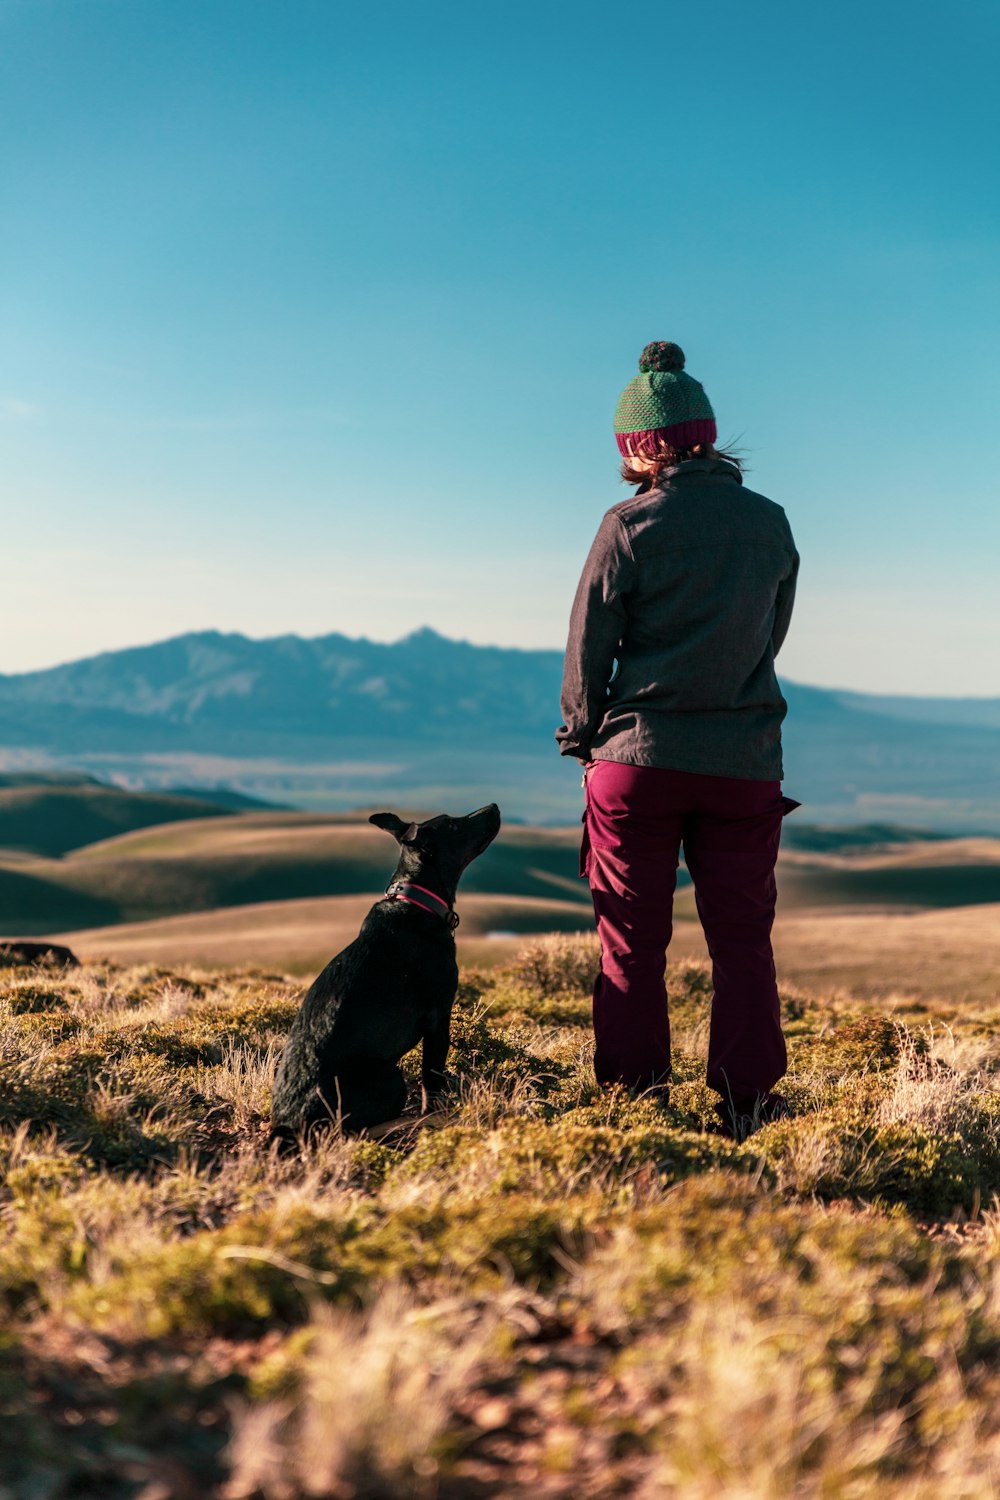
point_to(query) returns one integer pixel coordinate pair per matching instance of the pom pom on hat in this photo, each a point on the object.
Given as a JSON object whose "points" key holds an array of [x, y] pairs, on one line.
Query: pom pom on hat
{"points": [[661, 356]]}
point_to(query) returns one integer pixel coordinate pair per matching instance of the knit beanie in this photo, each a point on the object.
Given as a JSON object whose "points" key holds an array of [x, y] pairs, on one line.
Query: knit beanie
{"points": [[662, 406]]}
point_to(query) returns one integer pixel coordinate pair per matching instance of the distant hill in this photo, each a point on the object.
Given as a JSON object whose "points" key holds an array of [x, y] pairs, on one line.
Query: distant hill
{"points": [[9, 779], [225, 797], [336, 722], [50, 814], [216, 862], [865, 838]]}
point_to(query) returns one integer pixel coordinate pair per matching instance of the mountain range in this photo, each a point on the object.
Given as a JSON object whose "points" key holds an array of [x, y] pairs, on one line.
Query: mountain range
{"points": [[339, 722]]}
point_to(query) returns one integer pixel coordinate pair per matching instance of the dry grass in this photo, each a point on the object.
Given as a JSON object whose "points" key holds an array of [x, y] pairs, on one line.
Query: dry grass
{"points": [[545, 1290], [331, 1436]]}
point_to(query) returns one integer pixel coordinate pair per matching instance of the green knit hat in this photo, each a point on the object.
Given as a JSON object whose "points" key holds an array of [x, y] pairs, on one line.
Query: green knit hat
{"points": [[662, 406]]}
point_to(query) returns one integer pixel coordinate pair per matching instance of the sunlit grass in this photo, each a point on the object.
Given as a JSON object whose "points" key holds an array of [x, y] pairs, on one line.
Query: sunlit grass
{"points": [[541, 1285]]}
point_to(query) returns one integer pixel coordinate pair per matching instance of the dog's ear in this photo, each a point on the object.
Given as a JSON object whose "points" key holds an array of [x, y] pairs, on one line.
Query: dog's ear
{"points": [[403, 833]]}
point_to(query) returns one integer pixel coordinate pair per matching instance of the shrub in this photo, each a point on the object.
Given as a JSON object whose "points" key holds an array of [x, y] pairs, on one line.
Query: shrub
{"points": [[558, 964]]}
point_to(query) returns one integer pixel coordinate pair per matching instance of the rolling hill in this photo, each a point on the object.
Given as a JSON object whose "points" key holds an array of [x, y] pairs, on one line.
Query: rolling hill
{"points": [[217, 861], [220, 860], [50, 815]]}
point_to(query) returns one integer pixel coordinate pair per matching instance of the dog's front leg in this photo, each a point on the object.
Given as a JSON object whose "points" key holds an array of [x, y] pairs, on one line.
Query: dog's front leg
{"points": [[433, 1078]]}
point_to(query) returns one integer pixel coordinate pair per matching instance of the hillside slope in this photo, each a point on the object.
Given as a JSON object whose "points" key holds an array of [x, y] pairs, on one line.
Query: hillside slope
{"points": [[222, 861], [49, 816], [256, 857]]}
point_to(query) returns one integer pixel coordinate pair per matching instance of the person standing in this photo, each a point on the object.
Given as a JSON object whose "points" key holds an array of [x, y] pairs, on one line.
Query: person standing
{"points": [[671, 702]]}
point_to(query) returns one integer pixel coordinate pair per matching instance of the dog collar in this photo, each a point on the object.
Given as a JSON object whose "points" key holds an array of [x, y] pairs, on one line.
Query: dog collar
{"points": [[404, 890]]}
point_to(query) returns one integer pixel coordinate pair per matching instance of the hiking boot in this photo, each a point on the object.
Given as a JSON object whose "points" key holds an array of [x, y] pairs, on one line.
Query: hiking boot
{"points": [[739, 1118]]}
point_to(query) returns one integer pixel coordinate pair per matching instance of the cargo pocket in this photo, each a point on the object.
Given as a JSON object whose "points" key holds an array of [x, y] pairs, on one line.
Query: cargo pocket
{"points": [[584, 870]]}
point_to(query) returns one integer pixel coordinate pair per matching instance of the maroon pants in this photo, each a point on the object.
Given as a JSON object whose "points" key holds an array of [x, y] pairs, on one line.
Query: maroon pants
{"points": [[636, 819]]}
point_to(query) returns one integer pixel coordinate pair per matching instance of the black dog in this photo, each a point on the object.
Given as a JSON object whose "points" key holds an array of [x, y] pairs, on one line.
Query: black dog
{"points": [[393, 987]]}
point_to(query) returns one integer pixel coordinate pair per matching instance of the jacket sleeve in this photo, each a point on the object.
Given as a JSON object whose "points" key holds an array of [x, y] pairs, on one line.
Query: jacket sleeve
{"points": [[596, 626], [784, 600]]}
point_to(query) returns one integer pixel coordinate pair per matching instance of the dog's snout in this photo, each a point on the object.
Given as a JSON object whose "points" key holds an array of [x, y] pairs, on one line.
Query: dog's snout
{"points": [[484, 824]]}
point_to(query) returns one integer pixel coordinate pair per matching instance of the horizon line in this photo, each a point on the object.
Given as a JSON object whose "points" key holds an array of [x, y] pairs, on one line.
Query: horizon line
{"points": [[429, 630]]}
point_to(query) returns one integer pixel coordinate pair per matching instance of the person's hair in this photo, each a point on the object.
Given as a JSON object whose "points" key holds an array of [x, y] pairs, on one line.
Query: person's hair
{"points": [[648, 479]]}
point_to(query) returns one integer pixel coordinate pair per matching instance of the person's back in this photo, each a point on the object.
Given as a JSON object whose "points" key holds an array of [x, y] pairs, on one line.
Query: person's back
{"points": [[708, 605]]}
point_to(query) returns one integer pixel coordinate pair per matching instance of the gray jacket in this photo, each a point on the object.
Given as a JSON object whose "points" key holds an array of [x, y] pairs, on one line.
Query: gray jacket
{"points": [[689, 589]]}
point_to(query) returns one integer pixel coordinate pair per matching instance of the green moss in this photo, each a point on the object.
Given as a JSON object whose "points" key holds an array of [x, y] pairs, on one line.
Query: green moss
{"points": [[115, 1113], [485, 1243], [692, 1103], [266, 1266], [28, 997], [720, 1230], [177, 1046], [510, 1003], [372, 1161], [568, 1154], [799, 1012], [278, 1375], [261, 1267], [932, 1173], [41, 1245], [50, 1026], [253, 1021], [868, 1044], [36, 1169]]}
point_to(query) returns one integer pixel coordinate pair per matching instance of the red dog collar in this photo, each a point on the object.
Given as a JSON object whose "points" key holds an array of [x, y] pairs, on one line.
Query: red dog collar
{"points": [[403, 891]]}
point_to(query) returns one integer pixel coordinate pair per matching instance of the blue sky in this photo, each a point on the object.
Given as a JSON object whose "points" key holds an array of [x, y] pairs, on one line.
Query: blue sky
{"points": [[313, 316]]}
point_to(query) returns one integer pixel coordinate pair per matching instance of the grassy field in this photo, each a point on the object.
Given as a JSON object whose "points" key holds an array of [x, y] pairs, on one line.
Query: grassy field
{"points": [[544, 1291]]}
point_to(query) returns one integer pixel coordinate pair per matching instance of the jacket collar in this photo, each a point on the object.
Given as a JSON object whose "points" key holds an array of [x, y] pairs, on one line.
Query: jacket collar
{"points": [[714, 468]]}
